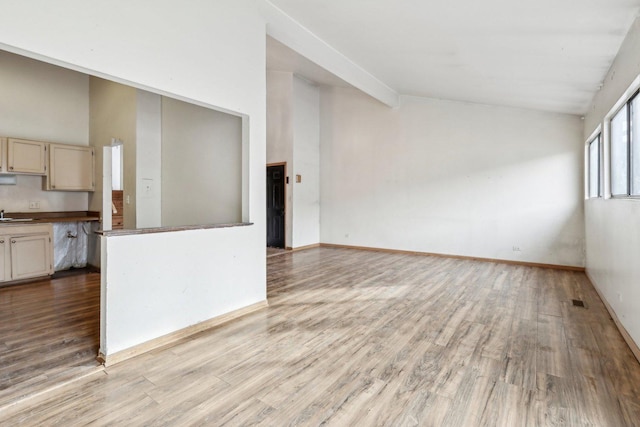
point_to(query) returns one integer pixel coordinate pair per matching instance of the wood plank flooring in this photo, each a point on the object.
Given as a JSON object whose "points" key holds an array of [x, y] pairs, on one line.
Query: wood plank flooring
{"points": [[49, 333], [275, 251], [365, 338]]}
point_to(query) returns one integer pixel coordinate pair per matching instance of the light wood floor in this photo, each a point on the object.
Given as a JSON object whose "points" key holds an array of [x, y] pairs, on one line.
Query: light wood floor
{"points": [[367, 338], [275, 251], [49, 333]]}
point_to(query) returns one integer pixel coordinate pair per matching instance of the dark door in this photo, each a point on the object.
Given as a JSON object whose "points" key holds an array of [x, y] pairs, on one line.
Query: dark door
{"points": [[275, 206]]}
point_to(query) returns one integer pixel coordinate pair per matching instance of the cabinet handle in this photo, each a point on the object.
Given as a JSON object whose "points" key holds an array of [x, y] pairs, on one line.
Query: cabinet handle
{"points": [[10, 168], [53, 186], [1, 241], [13, 241]]}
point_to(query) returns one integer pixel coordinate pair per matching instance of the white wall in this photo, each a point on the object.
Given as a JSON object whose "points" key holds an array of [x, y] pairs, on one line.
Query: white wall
{"points": [[148, 159], [201, 165], [613, 225], [195, 286], [451, 178], [213, 53], [306, 163], [293, 136], [280, 136], [47, 103]]}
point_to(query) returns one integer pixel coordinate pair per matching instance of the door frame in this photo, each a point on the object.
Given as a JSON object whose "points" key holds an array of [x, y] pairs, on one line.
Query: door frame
{"points": [[286, 204]]}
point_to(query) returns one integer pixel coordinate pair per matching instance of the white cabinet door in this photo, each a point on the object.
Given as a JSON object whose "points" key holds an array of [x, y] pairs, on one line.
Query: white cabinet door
{"points": [[25, 156], [71, 168], [30, 256], [5, 259]]}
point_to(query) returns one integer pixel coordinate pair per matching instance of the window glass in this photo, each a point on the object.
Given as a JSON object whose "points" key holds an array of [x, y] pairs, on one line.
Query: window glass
{"points": [[635, 145], [594, 167], [619, 153]]}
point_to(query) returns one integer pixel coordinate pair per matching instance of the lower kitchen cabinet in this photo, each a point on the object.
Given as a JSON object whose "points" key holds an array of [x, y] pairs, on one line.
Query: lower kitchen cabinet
{"points": [[26, 251]]}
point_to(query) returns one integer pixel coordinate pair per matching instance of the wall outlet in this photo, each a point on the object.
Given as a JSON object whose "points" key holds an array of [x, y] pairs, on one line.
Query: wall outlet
{"points": [[516, 249], [128, 200], [34, 204]]}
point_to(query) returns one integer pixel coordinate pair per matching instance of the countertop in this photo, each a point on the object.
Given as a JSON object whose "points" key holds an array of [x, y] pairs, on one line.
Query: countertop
{"points": [[128, 232], [46, 217]]}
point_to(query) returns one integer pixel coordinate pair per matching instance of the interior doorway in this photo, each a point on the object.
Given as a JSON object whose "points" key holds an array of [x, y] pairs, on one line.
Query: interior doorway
{"points": [[276, 205]]}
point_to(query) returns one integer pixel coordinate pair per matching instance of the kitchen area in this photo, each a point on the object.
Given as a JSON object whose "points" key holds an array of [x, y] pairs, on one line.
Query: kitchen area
{"points": [[81, 156], [47, 171], [35, 243], [49, 296]]}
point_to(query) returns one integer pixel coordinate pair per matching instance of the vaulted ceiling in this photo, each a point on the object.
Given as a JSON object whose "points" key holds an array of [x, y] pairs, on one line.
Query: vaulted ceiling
{"points": [[548, 55]]}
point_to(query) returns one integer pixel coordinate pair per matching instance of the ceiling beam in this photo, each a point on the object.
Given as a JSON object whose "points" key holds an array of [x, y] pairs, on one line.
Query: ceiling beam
{"points": [[287, 31]]}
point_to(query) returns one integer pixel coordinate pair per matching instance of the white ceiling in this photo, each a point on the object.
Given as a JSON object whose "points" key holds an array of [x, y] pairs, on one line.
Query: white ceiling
{"points": [[547, 55]]}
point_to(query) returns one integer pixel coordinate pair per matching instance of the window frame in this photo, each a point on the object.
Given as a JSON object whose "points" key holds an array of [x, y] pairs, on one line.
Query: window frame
{"points": [[631, 136], [595, 139], [628, 101]]}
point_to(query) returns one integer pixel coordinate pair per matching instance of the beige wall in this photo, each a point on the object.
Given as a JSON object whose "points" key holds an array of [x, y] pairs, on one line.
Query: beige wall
{"points": [[182, 162], [201, 165], [113, 115], [47, 103]]}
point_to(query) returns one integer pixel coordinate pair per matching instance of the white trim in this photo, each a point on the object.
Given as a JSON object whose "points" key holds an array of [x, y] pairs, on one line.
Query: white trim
{"points": [[587, 171], [173, 337]]}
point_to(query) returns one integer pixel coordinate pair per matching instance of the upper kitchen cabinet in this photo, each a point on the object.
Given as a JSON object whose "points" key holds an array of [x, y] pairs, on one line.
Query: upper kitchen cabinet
{"points": [[71, 168], [26, 157]]}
